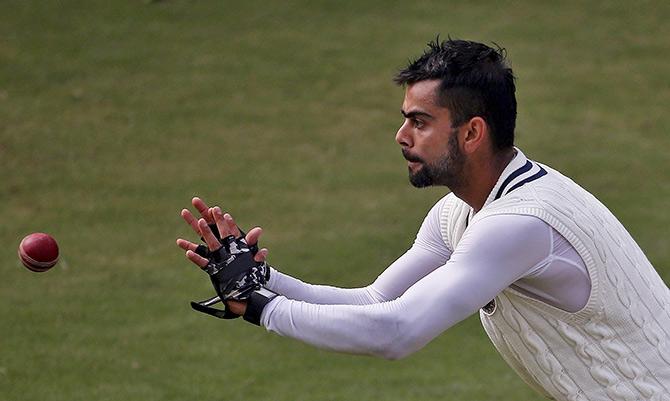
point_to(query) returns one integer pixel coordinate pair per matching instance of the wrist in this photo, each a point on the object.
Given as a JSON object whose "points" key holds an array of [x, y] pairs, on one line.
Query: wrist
{"points": [[237, 307], [256, 303]]}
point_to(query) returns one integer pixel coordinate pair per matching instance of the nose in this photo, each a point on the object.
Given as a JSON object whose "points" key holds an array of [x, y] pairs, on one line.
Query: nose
{"points": [[403, 137]]}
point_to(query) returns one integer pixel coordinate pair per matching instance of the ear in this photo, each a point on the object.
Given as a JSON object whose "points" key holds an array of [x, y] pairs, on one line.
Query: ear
{"points": [[475, 134]]}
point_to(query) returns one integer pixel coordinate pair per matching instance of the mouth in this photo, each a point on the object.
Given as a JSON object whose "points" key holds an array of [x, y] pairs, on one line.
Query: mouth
{"points": [[412, 165], [411, 159]]}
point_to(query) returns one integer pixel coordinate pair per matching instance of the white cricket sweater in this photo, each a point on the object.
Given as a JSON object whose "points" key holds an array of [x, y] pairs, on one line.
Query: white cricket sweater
{"points": [[618, 346], [436, 284]]}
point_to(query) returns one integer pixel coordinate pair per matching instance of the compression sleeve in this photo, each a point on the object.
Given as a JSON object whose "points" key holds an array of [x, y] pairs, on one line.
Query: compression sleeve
{"points": [[426, 254], [492, 254]]}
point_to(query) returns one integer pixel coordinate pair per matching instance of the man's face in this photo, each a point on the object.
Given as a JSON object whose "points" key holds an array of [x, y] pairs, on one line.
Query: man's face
{"points": [[428, 140]]}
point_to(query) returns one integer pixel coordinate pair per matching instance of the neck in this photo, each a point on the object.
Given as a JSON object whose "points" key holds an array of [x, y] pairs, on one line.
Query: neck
{"points": [[481, 175]]}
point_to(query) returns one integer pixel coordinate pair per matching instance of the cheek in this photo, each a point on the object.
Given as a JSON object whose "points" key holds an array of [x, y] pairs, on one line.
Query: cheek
{"points": [[431, 145]]}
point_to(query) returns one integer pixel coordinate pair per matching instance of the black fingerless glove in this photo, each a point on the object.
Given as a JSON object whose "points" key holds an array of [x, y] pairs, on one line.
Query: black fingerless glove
{"points": [[233, 270], [234, 274]]}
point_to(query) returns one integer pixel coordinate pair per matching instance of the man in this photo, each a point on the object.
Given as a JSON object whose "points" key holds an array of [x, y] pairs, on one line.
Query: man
{"points": [[565, 294]]}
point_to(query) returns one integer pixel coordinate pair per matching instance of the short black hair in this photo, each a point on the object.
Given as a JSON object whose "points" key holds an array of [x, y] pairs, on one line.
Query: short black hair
{"points": [[476, 81]]}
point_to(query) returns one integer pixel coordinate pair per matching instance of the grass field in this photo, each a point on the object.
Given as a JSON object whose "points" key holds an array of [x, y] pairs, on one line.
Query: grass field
{"points": [[114, 114]]}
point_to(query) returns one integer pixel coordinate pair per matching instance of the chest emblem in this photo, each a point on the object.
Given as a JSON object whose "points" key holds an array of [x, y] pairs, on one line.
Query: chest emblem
{"points": [[490, 308]]}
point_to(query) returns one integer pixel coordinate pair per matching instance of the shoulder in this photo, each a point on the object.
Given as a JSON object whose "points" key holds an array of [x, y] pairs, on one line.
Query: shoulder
{"points": [[446, 201], [515, 225], [450, 216], [449, 206], [432, 222], [448, 212], [430, 236], [516, 236]]}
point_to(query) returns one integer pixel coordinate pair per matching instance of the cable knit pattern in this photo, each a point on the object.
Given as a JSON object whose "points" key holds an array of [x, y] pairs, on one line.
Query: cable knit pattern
{"points": [[617, 348], [453, 221]]}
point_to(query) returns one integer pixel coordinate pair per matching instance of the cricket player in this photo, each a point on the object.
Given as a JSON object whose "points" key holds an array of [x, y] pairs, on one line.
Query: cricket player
{"points": [[563, 291]]}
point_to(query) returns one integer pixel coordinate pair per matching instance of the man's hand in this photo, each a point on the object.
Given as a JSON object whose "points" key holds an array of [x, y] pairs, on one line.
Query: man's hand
{"points": [[213, 220]]}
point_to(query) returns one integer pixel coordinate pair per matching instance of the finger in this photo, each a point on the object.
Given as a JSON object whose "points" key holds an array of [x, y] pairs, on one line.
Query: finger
{"points": [[212, 243], [191, 220], [186, 245], [220, 222], [203, 209], [232, 226], [253, 235], [197, 259], [261, 255]]}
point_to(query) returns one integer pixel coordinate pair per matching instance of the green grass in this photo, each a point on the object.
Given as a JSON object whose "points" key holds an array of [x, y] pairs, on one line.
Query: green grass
{"points": [[113, 114]]}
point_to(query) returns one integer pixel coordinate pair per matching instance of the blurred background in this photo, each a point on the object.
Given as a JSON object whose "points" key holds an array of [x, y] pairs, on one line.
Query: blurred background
{"points": [[114, 114]]}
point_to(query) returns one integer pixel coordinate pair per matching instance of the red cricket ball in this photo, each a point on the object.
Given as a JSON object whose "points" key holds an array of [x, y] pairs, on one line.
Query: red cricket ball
{"points": [[38, 252]]}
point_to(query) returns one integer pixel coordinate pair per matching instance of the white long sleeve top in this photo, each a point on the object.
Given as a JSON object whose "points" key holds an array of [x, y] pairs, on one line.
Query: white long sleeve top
{"points": [[431, 288]]}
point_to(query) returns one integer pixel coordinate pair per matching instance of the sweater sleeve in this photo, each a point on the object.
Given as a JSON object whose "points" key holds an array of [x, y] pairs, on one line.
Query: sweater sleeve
{"points": [[426, 254], [491, 255]]}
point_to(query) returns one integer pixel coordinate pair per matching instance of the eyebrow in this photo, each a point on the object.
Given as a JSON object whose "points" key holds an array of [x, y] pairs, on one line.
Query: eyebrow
{"points": [[415, 113]]}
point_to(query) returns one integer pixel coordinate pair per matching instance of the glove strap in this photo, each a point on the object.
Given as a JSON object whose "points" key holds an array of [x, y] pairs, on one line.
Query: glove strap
{"points": [[256, 303], [205, 307]]}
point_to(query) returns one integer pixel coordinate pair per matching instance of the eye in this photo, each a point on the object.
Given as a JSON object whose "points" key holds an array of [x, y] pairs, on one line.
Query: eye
{"points": [[417, 123]]}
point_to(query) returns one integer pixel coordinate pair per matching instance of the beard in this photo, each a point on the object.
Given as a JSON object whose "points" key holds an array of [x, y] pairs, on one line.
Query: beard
{"points": [[447, 171]]}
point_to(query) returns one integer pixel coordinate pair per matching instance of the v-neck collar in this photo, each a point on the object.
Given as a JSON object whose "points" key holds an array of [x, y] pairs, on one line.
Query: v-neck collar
{"points": [[519, 171]]}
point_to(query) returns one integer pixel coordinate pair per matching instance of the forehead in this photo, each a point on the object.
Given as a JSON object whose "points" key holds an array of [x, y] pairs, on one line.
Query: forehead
{"points": [[422, 94], [423, 97]]}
